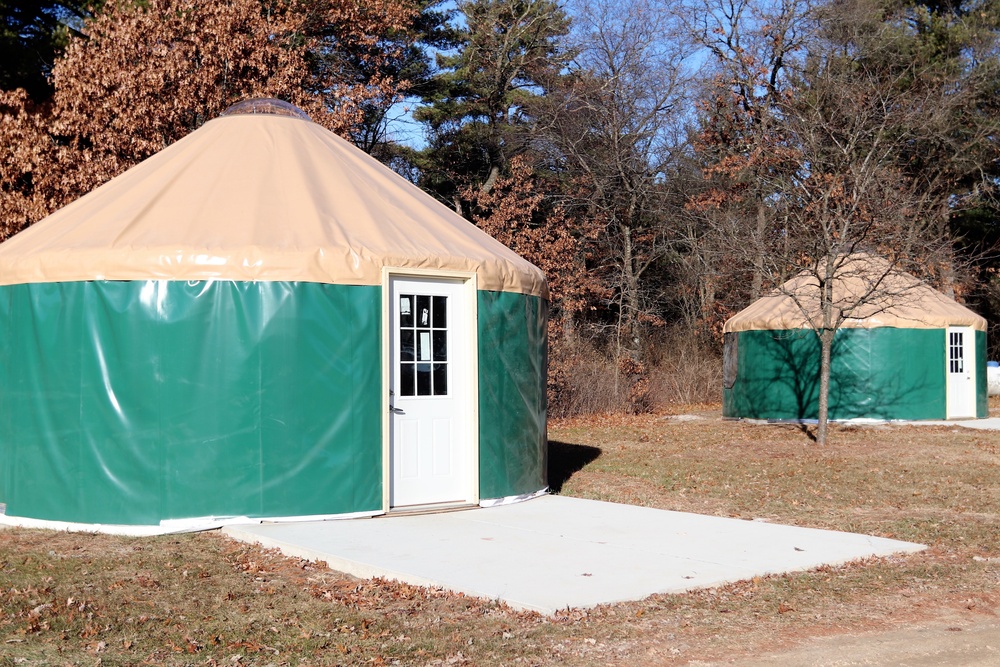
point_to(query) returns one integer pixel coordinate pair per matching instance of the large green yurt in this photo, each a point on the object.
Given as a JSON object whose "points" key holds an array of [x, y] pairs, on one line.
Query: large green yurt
{"points": [[911, 353], [262, 321]]}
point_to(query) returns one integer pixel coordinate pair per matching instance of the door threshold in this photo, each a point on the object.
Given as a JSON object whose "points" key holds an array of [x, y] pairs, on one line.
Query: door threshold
{"points": [[430, 509]]}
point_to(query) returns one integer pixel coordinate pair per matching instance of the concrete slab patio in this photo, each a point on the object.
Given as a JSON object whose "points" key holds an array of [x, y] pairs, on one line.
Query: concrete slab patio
{"points": [[988, 424], [555, 552]]}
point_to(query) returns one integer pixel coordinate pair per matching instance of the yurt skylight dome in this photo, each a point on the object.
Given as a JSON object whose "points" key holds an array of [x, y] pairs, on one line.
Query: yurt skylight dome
{"points": [[266, 106]]}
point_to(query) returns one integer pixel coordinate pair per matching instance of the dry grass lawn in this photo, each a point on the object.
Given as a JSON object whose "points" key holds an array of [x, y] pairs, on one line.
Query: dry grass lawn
{"points": [[76, 599]]}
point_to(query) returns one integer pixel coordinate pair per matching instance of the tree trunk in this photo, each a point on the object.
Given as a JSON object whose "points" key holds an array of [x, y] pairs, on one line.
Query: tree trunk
{"points": [[826, 345], [706, 302], [757, 281], [630, 298], [491, 180], [568, 325]]}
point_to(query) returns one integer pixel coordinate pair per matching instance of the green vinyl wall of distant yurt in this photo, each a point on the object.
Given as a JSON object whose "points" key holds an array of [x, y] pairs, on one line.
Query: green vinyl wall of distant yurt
{"points": [[876, 373], [135, 402]]}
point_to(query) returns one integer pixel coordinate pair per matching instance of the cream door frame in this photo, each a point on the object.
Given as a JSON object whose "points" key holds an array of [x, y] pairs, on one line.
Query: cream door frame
{"points": [[470, 284]]}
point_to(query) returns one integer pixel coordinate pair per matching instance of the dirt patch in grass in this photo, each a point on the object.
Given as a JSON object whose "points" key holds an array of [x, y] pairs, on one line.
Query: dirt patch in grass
{"points": [[205, 600]]}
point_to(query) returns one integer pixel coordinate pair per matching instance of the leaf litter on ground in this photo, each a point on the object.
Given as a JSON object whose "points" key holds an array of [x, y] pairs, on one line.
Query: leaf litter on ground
{"points": [[73, 598]]}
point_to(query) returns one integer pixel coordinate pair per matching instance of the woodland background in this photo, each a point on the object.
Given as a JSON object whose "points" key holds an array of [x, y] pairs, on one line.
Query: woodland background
{"points": [[664, 162]]}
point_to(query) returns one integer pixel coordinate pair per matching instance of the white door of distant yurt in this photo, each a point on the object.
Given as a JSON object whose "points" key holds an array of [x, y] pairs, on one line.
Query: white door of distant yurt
{"points": [[432, 457], [961, 373]]}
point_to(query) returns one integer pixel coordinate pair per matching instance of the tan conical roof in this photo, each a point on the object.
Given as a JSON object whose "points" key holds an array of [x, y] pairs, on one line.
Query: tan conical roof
{"points": [[899, 300], [259, 198]]}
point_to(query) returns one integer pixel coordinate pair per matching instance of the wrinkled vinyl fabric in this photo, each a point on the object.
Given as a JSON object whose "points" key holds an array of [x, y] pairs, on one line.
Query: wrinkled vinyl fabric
{"points": [[512, 400], [883, 373], [260, 198], [134, 402], [201, 336]]}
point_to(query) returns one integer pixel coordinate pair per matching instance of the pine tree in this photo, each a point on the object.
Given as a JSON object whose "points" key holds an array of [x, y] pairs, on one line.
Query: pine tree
{"points": [[475, 108]]}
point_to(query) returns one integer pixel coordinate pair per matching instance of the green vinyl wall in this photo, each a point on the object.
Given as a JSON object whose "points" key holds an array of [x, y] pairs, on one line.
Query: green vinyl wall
{"points": [[135, 402], [513, 447], [881, 373]]}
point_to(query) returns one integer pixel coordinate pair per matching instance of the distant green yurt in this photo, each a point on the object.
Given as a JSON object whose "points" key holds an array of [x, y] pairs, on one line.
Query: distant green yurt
{"points": [[262, 321], [915, 354]]}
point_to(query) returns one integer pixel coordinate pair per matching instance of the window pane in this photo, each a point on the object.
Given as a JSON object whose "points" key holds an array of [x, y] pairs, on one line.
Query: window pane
{"points": [[440, 346], [440, 379], [423, 379], [406, 351], [440, 312], [406, 379], [405, 311], [423, 311], [423, 345]]}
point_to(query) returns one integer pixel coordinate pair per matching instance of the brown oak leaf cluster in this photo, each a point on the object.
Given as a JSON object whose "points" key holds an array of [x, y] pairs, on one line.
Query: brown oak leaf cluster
{"points": [[146, 74]]}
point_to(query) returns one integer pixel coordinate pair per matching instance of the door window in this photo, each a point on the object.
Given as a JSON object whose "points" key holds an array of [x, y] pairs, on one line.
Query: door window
{"points": [[423, 345], [956, 352]]}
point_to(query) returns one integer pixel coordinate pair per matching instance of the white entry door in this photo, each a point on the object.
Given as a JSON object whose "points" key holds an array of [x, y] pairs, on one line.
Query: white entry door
{"points": [[430, 438], [961, 369]]}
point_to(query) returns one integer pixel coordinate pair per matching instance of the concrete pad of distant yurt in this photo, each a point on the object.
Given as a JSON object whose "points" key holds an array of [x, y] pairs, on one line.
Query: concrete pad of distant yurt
{"points": [[555, 552], [991, 424]]}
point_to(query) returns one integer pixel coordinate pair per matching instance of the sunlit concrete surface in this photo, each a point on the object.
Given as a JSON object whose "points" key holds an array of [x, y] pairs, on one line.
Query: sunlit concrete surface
{"points": [[555, 552], [990, 424]]}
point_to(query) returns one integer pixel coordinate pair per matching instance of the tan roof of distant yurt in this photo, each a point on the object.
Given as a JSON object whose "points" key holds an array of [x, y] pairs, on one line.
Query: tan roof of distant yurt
{"points": [[903, 302], [257, 196]]}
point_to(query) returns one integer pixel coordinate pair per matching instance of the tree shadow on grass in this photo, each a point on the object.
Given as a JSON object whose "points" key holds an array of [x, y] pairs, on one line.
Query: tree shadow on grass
{"points": [[566, 459]]}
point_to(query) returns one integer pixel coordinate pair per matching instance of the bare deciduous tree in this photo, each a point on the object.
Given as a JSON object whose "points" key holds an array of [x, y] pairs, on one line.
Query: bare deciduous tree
{"points": [[614, 123], [840, 182]]}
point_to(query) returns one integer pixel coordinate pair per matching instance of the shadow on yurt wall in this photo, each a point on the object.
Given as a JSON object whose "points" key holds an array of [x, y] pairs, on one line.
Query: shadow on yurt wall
{"points": [[871, 375], [262, 321]]}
